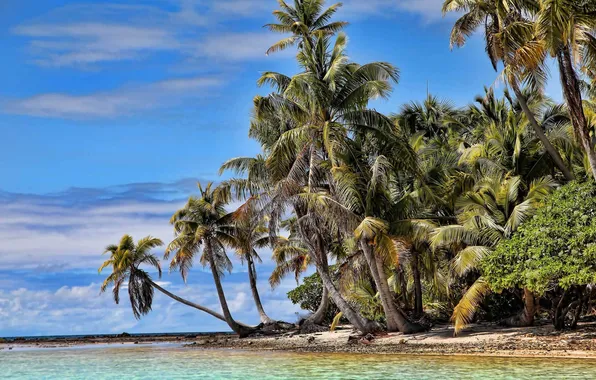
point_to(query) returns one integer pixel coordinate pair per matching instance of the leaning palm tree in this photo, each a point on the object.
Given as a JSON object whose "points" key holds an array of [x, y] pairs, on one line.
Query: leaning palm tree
{"points": [[200, 229], [304, 20], [125, 259], [509, 39]]}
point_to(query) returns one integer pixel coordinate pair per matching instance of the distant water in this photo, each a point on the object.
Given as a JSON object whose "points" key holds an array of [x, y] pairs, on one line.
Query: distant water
{"points": [[174, 362]]}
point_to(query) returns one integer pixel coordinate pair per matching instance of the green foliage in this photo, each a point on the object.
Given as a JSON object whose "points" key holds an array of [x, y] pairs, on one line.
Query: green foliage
{"points": [[555, 248]]}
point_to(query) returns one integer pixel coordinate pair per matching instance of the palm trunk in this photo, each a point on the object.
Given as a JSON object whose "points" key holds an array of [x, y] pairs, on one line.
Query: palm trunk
{"points": [[396, 320], [252, 277], [318, 317], [388, 305], [188, 303], [573, 98], [418, 309], [550, 149], [239, 329], [358, 321]]}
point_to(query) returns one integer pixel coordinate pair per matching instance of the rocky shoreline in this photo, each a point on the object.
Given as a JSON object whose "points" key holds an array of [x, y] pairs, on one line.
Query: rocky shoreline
{"points": [[481, 340]]}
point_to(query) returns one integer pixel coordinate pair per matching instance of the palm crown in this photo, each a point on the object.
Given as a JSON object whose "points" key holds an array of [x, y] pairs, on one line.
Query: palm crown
{"points": [[125, 260]]}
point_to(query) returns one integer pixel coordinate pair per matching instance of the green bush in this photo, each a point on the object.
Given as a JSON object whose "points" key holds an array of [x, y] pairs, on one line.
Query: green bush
{"points": [[557, 247], [308, 296]]}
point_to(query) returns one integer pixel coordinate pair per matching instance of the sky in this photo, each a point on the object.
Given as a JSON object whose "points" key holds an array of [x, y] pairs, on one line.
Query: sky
{"points": [[111, 112]]}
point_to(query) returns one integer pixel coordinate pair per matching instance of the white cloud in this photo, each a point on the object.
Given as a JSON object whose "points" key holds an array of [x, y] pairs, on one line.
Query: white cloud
{"points": [[123, 101], [360, 9], [239, 46], [86, 43]]}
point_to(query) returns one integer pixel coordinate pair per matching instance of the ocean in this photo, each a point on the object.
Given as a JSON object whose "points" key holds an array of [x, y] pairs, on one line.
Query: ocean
{"points": [[172, 361]]}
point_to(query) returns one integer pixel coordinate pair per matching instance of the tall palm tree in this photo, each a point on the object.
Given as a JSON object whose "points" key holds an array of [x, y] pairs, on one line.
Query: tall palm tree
{"points": [[250, 233], [326, 102], [510, 40], [200, 227], [567, 29], [126, 257], [304, 20]]}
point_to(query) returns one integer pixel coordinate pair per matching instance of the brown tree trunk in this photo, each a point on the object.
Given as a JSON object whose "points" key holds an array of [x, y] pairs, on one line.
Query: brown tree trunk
{"points": [[550, 149], [418, 309], [252, 277], [388, 305], [239, 329], [318, 317], [396, 320], [358, 321], [573, 98], [526, 318], [188, 303]]}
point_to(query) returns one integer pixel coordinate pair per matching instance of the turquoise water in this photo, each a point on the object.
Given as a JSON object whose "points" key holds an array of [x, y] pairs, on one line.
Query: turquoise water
{"points": [[161, 362]]}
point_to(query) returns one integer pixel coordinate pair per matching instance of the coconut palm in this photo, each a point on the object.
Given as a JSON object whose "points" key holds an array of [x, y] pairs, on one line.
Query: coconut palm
{"points": [[250, 233], [325, 103], [509, 39], [125, 259], [566, 27], [305, 20], [200, 228]]}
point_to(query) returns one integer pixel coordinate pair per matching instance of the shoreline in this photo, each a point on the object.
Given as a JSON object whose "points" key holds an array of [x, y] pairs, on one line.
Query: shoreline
{"points": [[480, 340]]}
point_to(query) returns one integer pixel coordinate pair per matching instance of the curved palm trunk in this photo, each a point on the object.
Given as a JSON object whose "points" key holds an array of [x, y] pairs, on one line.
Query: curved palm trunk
{"points": [[388, 305], [550, 149], [241, 330], [252, 277], [396, 320], [188, 303], [318, 317], [573, 98], [418, 309], [358, 321]]}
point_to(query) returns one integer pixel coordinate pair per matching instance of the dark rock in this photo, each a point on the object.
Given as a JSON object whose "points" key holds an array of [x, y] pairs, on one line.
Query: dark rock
{"points": [[310, 339], [123, 335]]}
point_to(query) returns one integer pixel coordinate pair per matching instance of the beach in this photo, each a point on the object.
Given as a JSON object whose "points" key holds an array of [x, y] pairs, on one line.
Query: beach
{"points": [[480, 340]]}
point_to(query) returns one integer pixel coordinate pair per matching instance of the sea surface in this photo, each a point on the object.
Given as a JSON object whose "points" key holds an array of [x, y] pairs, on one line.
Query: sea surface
{"points": [[175, 362]]}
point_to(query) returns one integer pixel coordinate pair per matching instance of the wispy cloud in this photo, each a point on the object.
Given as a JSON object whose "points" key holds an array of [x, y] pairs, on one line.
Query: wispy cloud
{"points": [[239, 46], [93, 42], [123, 101], [360, 9], [135, 32], [429, 10]]}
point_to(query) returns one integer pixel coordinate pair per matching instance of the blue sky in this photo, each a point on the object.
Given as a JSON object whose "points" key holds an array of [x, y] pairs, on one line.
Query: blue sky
{"points": [[110, 111]]}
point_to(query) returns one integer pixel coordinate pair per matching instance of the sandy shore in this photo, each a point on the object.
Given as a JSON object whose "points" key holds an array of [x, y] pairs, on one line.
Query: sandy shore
{"points": [[480, 340]]}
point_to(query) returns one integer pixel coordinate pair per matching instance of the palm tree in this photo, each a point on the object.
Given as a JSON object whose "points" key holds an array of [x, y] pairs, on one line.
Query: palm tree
{"points": [[509, 39], [200, 227], [566, 27], [304, 20], [325, 102], [125, 259], [249, 233]]}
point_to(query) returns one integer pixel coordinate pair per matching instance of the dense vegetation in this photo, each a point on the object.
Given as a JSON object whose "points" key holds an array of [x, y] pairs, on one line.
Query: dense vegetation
{"points": [[432, 213]]}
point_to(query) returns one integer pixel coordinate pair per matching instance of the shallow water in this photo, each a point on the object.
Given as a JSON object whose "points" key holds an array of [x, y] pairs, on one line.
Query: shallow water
{"points": [[174, 362]]}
